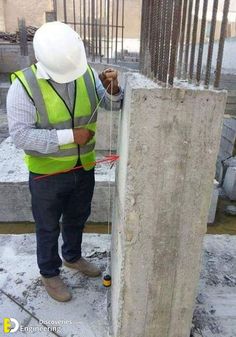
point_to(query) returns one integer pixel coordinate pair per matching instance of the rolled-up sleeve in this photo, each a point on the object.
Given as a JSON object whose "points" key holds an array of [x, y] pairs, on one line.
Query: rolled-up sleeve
{"points": [[21, 114]]}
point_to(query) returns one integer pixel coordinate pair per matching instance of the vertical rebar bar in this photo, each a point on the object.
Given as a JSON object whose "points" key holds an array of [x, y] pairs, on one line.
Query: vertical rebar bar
{"points": [[175, 39], [74, 17], [96, 26], [166, 58], [89, 27], [211, 44], [93, 28], [65, 11], [182, 37], [145, 35], [122, 29], [161, 41], [142, 34], [149, 37], [112, 25], [84, 21], [167, 25], [23, 37], [55, 8], [117, 23], [108, 31], [104, 27], [221, 43], [80, 18], [194, 39], [100, 31], [153, 30], [201, 43], [157, 16], [187, 41]]}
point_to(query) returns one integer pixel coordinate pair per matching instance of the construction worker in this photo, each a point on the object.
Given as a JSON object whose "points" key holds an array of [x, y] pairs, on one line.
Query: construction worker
{"points": [[51, 109]]}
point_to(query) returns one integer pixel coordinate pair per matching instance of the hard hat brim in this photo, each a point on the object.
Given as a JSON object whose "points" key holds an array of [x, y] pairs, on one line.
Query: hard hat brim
{"points": [[70, 76]]}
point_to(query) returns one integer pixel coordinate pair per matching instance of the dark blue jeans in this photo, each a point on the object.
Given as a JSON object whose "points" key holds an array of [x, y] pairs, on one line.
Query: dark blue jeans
{"points": [[68, 195]]}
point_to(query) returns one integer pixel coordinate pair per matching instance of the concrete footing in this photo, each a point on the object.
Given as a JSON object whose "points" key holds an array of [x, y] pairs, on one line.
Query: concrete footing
{"points": [[14, 192], [229, 185], [168, 147]]}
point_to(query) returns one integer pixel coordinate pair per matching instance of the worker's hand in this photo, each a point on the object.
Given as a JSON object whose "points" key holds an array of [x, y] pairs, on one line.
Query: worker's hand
{"points": [[82, 136], [109, 78]]}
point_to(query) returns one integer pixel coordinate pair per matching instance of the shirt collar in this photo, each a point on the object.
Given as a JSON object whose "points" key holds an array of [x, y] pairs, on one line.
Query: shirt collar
{"points": [[41, 72]]}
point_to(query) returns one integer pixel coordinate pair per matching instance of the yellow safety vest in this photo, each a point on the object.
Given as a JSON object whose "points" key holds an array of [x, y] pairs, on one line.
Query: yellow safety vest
{"points": [[53, 113]]}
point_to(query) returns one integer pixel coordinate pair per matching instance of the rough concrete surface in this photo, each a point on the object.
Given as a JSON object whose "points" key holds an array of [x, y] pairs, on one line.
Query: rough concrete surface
{"points": [[168, 146], [229, 184], [103, 130], [215, 310], [86, 313], [3, 125], [213, 204], [14, 192]]}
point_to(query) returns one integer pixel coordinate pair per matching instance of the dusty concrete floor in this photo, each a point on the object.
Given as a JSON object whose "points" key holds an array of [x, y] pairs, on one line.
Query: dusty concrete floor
{"points": [[3, 125], [86, 313], [215, 312]]}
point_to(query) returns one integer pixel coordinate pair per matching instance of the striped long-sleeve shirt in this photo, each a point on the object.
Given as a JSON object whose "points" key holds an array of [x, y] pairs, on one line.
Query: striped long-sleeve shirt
{"points": [[22, 117]]}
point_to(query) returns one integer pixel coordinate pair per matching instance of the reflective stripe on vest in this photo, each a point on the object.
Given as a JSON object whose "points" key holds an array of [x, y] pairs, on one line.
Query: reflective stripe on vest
{"points": [[45, 123], [40, 105], [53, 113], [37, 97], [64, 152]]}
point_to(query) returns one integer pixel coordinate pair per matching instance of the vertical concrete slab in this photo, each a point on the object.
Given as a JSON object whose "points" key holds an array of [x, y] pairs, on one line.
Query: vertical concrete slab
{"points": [[168, 143]]}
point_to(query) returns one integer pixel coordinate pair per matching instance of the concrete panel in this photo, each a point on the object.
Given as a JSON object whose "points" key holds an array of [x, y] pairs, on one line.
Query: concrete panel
{"points": [[14, 193], [229, 184], [227, 143], [3, 94], [168, 146], [103, 130], [214, 201], [11, 59]]}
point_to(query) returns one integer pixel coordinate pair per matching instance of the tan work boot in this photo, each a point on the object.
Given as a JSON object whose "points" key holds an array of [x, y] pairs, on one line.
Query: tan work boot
{"points": [[84, 267], [56, 288]]}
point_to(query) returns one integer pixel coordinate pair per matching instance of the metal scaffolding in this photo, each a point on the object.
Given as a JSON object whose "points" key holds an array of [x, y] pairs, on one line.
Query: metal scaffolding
{"points": [[100, 23], [170, 46]]}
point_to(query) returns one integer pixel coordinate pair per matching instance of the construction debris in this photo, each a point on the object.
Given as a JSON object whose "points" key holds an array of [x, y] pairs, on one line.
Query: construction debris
{"points": [[15, 37]]}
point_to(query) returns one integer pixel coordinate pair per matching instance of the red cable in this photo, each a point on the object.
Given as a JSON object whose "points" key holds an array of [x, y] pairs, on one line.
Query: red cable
{"points": [[109, 158]]}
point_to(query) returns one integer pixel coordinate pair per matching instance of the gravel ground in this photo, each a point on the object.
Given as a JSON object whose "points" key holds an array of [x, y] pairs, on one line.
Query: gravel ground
{"points": [[214, 314], [215, 311], [3, 125]]}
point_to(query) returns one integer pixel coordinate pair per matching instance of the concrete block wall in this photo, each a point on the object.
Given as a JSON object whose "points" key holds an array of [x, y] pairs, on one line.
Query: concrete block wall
{"points": [[227, 143], [229, 184], [14, 192], [11, 59], [163, 193], [213, 205], [3, 94], [231, 103]]}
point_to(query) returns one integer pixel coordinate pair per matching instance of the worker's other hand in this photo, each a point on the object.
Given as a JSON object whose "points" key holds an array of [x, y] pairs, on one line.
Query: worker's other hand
{"points": [[82, 136], [109, 79]]}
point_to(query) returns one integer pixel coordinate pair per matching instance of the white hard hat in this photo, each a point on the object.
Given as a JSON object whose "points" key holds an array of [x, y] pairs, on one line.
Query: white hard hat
{"points": [[60, 52]]}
